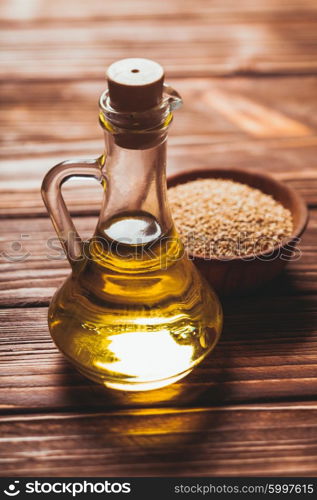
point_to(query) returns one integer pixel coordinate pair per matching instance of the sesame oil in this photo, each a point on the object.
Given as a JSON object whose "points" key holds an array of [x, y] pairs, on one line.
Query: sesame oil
{"points": [[135, 314]]}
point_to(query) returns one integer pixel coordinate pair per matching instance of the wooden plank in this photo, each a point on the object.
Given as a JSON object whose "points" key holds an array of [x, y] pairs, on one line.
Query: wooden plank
{"points": [[74, 115], [267, 352], [238, 123], [268, 10], [293, 161], [32, 263], [272, 440], [214, 110], [185, 47], [55, 57]]}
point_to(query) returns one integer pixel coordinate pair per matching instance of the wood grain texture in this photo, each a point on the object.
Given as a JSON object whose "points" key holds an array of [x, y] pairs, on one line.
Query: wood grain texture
{"points": [[193, 45], [250, 408], [261, 10], [227, 441], [65, 113], [259, 358], [32, 263], [213, 128], [293, 161]]}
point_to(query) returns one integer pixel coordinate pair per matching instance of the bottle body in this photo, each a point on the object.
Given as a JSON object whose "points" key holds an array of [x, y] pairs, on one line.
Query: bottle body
{"points": [[135, 317], [135, 314]]}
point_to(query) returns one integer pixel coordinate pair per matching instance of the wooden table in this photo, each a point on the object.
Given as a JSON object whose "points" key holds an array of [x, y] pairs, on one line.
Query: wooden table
{"points": [[247, 71]]}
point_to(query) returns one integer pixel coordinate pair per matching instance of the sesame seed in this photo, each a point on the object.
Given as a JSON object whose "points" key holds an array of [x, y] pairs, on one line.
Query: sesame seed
{"points": [[220, 217]]}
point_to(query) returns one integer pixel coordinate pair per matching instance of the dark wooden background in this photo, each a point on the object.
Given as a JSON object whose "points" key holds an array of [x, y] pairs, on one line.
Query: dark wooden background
{"points": [[248, 73]]}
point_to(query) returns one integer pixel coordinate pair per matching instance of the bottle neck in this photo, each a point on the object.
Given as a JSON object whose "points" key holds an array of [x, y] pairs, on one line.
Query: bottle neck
{"points": [[135, 208]]}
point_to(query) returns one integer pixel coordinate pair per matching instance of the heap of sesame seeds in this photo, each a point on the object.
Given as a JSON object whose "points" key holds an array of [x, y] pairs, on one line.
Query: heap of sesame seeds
{"points": [[223, 218]]}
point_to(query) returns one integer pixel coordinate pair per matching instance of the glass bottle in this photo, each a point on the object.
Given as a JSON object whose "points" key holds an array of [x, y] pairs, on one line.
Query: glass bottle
{"points": [[134, 314]]}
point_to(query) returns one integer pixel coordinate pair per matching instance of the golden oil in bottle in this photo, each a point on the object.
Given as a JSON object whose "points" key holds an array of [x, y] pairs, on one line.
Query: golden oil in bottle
{"points": [[135, 314]]}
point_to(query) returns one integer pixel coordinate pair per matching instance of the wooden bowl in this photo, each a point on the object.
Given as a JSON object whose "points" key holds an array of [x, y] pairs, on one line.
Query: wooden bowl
{"points": [[240, 275]]}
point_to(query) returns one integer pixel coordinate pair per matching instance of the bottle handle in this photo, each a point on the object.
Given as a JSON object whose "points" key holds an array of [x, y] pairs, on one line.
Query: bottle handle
{"points": [[55, 204]]}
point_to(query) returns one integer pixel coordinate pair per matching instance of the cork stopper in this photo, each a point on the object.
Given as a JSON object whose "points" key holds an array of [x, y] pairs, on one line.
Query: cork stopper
{"points": [[135, 84]]}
